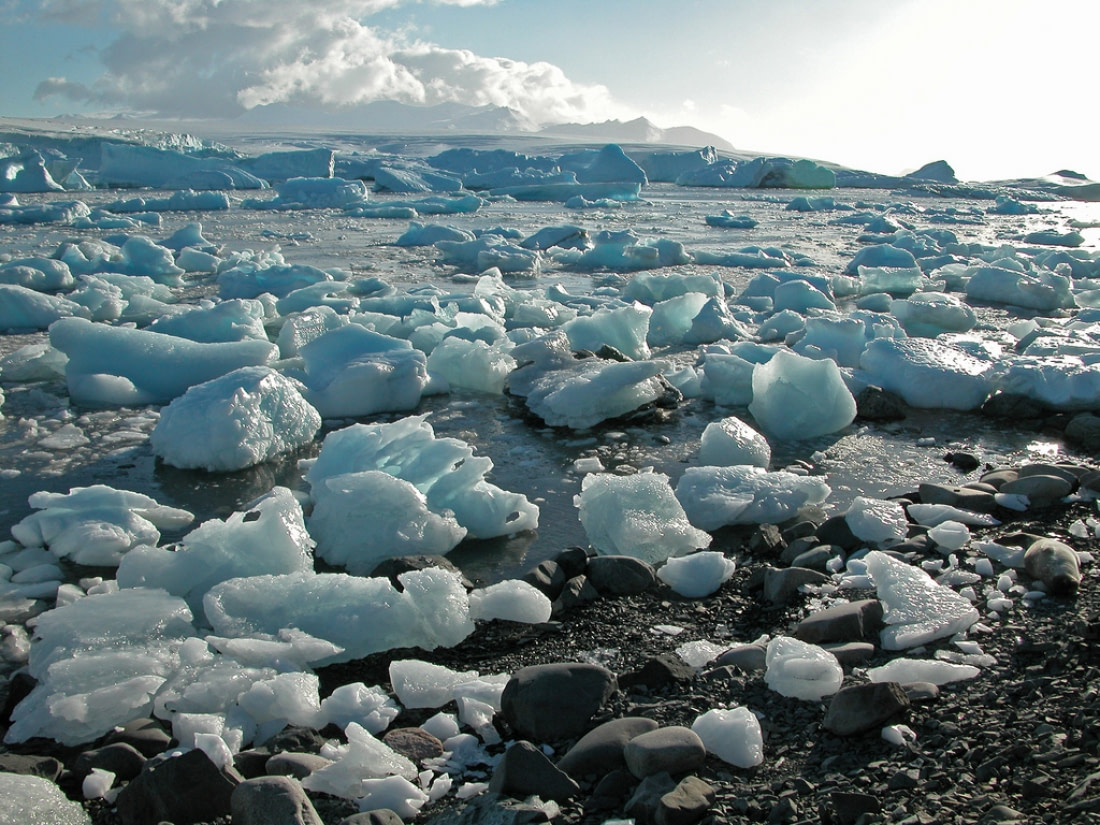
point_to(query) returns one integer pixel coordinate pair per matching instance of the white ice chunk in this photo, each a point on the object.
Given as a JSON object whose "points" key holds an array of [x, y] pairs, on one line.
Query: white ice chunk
{"points": [[731, 441], [360, 519], [362, 759], [287, 698], [798, 398], [636, 515], [361, 615], [714, 497], [950, 535], [700, 652], [394, 793], [928, 374], [698, 574], [289, 648], [917, 610], [246, 417], [268, 538], [370, 707], [937, 672], [931, 515], [471, 365], [733, 735], [420, 684], [96, 525], [801, 670], [898, 735], [877, 521], [96, 784], [442, 726], [513, 600], [32, 800]]}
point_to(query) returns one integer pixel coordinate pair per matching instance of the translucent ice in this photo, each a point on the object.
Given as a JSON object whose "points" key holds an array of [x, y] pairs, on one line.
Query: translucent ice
{"points": [[921, 670], [927, 314], [698, 574], [471, 365], [360, 519], [33, 800], [928, 373], [876, 521], [950, 536], [636, 515], [801, 670], [113, 366], [931, 515], [393, 793], [361, 615], [797, 398], [420, 684], [243, 418], [24, 309], [370, 707], [96, 525], [267, 538], [731, 441], [733, 735], [513, 600], [363, 758], [917, 610], [714, 497], [624, 328]]}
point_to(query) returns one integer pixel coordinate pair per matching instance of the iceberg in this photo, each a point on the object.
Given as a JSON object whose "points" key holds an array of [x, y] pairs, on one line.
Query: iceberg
{"points": [[244, 418], [131, 165], [636, 516], [916, 609], [313, 193], [761, 173], [715, 497]]}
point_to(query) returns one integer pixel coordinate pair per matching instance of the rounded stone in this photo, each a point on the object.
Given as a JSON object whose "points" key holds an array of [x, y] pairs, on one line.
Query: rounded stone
{"points": [[674, 749]]}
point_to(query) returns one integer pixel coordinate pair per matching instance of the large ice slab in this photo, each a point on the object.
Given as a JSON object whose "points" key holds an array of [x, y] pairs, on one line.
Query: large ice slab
{"points": [[96, 525], [715, 497], [637, 516], [98, 662], [794, 397], [115, 366], [445, 470], [268, 538], [244, 418], [1061, 382], [761, 173], [917, 609], [361, 615], [23, 309], [928, 373], [124, 164], [1043, 290]]}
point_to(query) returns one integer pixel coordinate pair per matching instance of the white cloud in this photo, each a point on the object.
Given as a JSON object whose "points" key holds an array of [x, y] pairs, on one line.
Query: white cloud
{"points": [[219, 57]]}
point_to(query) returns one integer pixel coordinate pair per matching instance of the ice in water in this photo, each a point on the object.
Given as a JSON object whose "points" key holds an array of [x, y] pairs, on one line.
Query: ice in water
{"points": [[731, 441], [714, 497], [797, 398]]}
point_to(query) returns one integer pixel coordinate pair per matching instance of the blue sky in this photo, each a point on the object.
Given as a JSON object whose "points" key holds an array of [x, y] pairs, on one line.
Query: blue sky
{"points": [[998, 88]]}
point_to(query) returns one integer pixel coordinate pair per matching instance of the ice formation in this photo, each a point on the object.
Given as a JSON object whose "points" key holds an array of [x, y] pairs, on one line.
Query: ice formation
{"points": [[801, 670], [696, 575], [420, 684], [714, 497], [246, 417], [928, 373], [733, 735], [637, 516], [916, 609], [731, 441], [797, 398], [513, 600], [877, 521]]}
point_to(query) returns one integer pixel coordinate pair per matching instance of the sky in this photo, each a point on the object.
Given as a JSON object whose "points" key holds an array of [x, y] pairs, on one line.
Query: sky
{"points": [[998, 88]]}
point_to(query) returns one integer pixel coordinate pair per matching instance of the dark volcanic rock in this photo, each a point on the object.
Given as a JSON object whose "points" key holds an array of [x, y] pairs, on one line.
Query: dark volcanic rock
{"points": [[180, 789], [620, 575], [525, 771], [859, 708], [658, 672], [842, 622], [272, 800], [674, 749], [600, 751], [548, 703]]}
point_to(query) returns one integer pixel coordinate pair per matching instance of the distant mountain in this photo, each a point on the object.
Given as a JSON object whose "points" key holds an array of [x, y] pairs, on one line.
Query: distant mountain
{"points": [[639, 130], [391, 117]]}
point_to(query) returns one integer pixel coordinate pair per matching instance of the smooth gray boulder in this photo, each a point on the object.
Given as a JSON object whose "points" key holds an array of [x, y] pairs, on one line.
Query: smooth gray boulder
{"points": [[548, 703]]}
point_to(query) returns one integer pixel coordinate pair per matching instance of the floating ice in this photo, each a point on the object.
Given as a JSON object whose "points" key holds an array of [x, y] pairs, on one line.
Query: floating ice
{"points": [[267, 538], [1061, 382], [513, 600], [801, 670], [40, 274], [673, 318], [132, 165], [361, 615], [731, 441], [471, 365], [237, 319], [313, 193], [760, 173], [636, 516], [917, 610], [928, 373], [96, 525], [928, 314], [114, 366], [876, 520], [246, 417], [905, 670], [715, 497], [444, 469], [798, 398], [624, 328], [698, 574], [98, 662], [733, 735], [1043, 291], [420, 684], [23, 309]]}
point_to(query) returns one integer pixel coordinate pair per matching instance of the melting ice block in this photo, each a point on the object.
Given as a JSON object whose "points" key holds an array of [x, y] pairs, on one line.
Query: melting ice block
{"points": [[715, 497], [361, 759], [98, 662], [917, 610], [730, 442], [796, 398], [732, 735], [112, 366], [370, 707], [244, 418], [420, 684], [22, 308], [801, 670], [361, 615], [445, 470], [96, 525], [267, 538], [32, 800], [922, 670], [513, 600], [876, 520], [471, 365], [361, 519], [697, 575], [624, 328], [637, 516], [928, 373]]}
